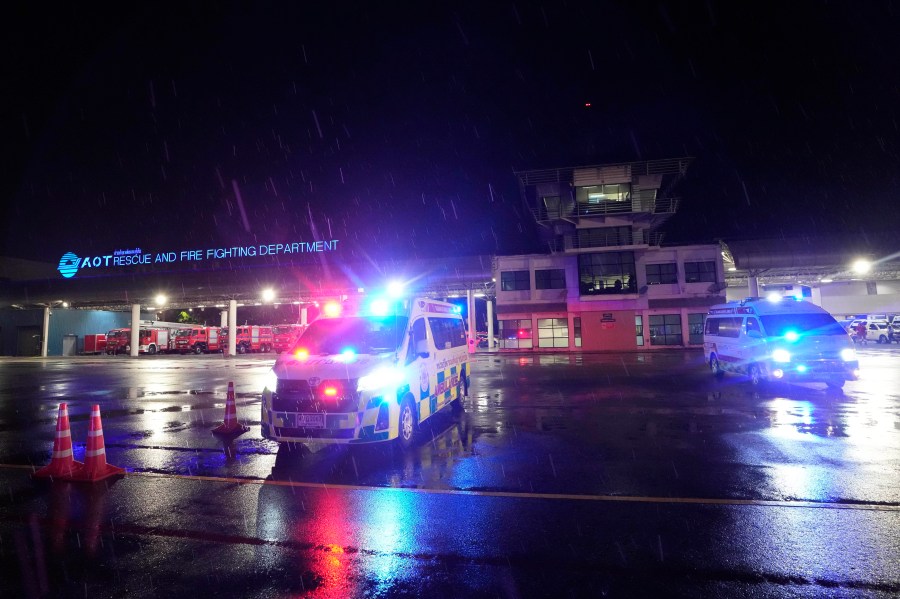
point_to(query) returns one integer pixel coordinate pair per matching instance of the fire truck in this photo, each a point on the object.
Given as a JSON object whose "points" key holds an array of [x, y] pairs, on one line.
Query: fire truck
{"points": [[250, 338], [200, 340], [151, 340], [118, 341], [285, 335]]}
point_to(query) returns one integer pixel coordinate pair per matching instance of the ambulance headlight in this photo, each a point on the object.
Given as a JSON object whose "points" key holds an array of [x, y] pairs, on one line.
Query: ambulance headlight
{"points": [[848, 354], [781, 355], [381, 378], [270, 381]]}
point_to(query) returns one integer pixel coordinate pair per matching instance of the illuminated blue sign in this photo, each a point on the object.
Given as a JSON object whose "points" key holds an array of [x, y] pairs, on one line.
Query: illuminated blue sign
{"points": [[70, 263]]}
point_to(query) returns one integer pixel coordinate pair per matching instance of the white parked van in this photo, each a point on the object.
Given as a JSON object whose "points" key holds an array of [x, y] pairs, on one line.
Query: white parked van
{"points": [[783, 339], [369, 376]]}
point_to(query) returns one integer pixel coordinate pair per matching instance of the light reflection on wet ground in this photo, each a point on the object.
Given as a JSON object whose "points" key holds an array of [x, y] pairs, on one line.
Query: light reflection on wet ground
{"points": [[641, 425]]}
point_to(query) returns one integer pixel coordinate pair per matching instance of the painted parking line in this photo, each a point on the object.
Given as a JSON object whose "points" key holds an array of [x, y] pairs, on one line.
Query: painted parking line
{"points": [[884, 507]]}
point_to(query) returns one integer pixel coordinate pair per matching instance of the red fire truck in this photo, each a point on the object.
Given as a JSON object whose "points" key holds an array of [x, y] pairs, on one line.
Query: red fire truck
{"points": [[250, 338], [118, 341], [285, 335], [200, 340], [151, 340], [95, 343]]}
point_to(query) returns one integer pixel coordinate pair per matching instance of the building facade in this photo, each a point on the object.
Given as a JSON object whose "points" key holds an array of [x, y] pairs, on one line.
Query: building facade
{"points": [[608, 283]]}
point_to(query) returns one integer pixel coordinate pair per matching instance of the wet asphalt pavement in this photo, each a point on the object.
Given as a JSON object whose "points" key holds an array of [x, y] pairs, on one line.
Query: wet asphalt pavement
{"points": [[566, 476]]}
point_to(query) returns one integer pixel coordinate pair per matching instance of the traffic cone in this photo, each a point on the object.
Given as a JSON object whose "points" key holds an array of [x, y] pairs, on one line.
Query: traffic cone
{"points": [[95, 466], [62, 463], [230, 426]]}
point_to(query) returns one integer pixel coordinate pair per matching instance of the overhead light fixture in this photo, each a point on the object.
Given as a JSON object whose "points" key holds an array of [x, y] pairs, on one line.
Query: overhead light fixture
{"points": [[862, 266]]}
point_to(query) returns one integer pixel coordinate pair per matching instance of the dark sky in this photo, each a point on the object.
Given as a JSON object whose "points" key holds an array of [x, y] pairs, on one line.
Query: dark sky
{"points": [[397, 130]]}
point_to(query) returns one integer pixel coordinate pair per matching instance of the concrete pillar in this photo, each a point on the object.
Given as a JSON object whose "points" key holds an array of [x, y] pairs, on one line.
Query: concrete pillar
{"points": [[135, 330], [223, 320], [490, 323], [470, 310], [45, 333], [304, 314], [753, 284], [816, 296], [232, 327]]}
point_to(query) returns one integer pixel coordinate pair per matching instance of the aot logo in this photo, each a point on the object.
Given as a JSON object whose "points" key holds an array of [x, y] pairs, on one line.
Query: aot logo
{"points": [[68, 265]]}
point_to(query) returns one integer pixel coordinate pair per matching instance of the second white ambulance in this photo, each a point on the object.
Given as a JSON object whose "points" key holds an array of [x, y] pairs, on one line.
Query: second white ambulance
{"points": [[779, 339]]}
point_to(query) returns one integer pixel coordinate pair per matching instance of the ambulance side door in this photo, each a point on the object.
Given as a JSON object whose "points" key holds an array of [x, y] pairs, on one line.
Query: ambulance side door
{"points": [[420, 366]]}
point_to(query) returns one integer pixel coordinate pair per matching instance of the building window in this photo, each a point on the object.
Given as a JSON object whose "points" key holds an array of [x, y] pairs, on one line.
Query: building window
{"points": [[665, 329], [603, 199], [576, 330], [699, 272], [639, 330], [658, 274], [515, 334], [554, 278], [553, 332], [606, 273], [515, 280], [695, 328]]}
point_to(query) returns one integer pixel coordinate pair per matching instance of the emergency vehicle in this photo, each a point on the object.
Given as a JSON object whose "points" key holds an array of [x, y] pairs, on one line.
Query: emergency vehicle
{"points": [[371, 376], [151, 340], [285, 335], [118, 341], [250, 338], [779, 339], [199, 340]]}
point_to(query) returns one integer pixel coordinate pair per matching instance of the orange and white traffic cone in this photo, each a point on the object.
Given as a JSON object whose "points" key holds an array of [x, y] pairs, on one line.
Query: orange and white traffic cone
{"points": [[62, 463], [230, 426], [95, 466]]}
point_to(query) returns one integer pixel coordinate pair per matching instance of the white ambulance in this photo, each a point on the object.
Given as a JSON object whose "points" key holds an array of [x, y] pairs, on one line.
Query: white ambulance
{"points": [[373, 375], [779, 339]]}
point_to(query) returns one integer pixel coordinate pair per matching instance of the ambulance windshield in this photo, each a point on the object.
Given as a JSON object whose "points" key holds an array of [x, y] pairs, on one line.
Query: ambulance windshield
{"points": [[331, 336], [778, 325]]}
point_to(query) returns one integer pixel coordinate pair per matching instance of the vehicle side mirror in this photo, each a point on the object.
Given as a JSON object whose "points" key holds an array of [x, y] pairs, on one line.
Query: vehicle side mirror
{"points": [[422, 348], [754, 334]]}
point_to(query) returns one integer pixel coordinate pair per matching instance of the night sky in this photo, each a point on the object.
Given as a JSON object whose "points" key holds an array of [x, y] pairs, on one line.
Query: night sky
{"points": [[397, 130]]}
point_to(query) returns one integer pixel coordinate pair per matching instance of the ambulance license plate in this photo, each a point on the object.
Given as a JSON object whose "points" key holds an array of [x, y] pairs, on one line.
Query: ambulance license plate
{"points": [[310, 420]]}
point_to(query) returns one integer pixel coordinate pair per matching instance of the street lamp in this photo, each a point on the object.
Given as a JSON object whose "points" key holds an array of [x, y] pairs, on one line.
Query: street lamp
{"points": [[161, 300], [268, 294]]}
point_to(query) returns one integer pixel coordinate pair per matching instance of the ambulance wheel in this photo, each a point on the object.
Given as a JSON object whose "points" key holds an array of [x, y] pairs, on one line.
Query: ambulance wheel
{"points": [[457, 405], [883, 339], [407, 424], [755, 374], [835, 384], [716, 367]]}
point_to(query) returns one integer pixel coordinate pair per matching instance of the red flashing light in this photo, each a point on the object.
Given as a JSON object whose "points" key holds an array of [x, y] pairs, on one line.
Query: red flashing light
{"points": [[332, 309], [301, 354], [331, 391], [587, 104]]}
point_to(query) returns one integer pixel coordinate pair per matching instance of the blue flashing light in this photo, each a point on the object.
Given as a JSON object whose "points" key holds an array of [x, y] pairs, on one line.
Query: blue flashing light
{"points": [[347, 355], [801, 368], [791, 336], [379, 307], [396, 289], [457, 309]]}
